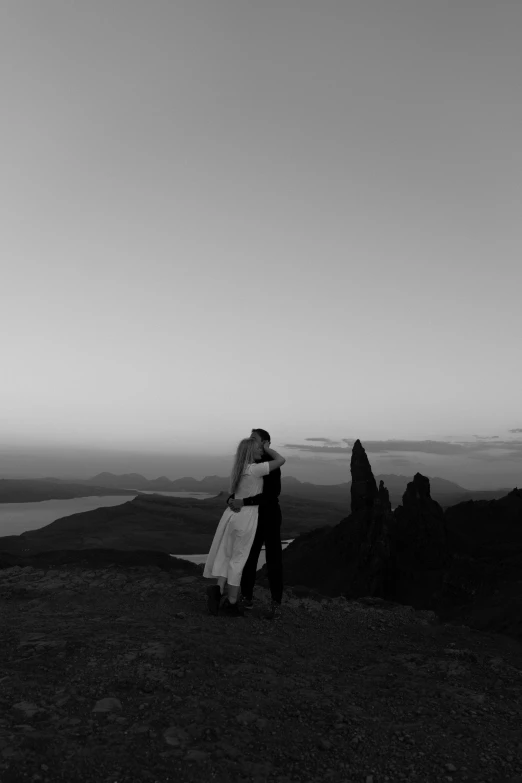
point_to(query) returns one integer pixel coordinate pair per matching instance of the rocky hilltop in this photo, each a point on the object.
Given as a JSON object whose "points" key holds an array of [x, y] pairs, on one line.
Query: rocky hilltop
{"points": [[465, 561], [111, 669]]}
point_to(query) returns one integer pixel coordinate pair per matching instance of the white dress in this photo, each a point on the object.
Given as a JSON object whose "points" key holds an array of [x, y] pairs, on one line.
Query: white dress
{"points": [[236, 530]]}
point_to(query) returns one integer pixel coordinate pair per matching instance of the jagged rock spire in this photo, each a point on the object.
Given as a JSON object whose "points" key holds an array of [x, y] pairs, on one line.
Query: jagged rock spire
{"points": [[416, 490], [421, 544], [383, 496], [364, 490]]}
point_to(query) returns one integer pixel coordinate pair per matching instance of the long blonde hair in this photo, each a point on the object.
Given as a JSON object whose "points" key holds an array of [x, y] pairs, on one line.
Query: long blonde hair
{"points": [[244, 457]]}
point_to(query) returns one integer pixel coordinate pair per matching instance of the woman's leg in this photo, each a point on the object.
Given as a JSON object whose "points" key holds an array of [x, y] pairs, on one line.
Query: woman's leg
{"points": [[241, 544], [233, 590], [221, 582]]}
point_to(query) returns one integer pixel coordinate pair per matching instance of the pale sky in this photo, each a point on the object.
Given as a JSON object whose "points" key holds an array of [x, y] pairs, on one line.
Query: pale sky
{"points": [[304, 216]]}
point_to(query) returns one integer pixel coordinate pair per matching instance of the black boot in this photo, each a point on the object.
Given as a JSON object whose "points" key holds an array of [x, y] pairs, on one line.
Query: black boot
{"points": [[213, 599], [230, 610], [274, 613]]}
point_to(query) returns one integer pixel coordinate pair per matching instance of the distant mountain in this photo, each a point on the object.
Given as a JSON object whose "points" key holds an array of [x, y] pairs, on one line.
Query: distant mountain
{"points": [[395, 482], [164, 484], [445, 492], [127, 480], [34, 490]]}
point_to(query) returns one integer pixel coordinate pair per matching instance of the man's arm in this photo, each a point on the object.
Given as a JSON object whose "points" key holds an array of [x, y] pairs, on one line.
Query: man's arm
{"points": [[267, 497], [237, 503], [270, 493], [255, 500]]}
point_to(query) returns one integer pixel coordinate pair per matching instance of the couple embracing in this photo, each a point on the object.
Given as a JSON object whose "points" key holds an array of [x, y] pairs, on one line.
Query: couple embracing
{"points": [[253, 517]]}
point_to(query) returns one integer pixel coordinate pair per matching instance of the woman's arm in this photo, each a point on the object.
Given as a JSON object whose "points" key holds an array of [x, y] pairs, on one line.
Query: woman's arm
{"points": [[276, 460]]}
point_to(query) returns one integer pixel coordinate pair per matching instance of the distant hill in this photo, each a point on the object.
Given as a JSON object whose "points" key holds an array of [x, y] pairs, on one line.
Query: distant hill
{"points": [[181, 526], [445, 492], [164, 484], [136, 481], [35, 490]]}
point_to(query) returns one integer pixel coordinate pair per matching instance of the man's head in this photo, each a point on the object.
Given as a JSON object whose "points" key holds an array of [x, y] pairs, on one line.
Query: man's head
{"points": [[262, 436]]}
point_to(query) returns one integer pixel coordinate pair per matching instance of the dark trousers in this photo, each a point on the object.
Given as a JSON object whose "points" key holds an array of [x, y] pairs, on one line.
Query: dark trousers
{"points": [[268, 533]]}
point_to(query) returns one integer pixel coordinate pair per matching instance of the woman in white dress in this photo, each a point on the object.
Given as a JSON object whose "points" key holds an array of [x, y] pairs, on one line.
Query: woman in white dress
{"points": [[236, 529]]}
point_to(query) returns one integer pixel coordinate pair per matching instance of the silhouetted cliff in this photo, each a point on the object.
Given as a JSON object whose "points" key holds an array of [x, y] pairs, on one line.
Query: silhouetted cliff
{"points": [[465, 561]]}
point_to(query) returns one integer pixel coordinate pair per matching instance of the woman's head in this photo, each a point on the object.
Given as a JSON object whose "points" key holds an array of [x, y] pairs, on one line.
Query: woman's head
{"points": [[248, 450]]}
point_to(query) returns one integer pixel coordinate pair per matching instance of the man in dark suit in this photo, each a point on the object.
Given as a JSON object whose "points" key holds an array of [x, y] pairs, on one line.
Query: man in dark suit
{"points": [[268, 533]]}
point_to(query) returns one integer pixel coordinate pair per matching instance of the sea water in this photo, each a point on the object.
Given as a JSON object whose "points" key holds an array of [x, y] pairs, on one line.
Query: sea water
{"points": [[17, 518]]}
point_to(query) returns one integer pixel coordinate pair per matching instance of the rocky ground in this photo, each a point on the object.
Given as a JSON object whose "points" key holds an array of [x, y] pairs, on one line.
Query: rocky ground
{"points": [[118, 674]]}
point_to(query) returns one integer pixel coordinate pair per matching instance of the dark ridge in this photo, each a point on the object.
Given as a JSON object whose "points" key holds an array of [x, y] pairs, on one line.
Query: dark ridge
{"points": [[97, 558], [463, 562]]}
